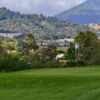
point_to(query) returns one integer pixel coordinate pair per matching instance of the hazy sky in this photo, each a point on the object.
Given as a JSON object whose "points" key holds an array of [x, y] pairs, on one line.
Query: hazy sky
{"points": [[46, 7]]}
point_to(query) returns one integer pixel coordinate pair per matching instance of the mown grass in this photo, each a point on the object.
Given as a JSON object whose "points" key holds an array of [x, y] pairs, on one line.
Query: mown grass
{"points": [[51, 84]]}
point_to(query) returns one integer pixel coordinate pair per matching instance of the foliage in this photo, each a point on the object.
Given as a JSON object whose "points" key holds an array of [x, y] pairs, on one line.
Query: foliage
{"points": [[29, 38], [51, 52], [9, 46], [47, 64], [22, 44], [37, 65], [52, 64], [88, 45], [12, 63], [81, 62], [1, 39], [71, 63], [60, 51], [70, 54], [85, 39], [93, 53], [46, 54], [40, 26], [1, 49]]}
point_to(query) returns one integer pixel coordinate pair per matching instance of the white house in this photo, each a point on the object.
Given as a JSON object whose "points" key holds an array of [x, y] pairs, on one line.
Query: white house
{"points": [[44, 44], [60, 56], [38, 43], [62, 44]]}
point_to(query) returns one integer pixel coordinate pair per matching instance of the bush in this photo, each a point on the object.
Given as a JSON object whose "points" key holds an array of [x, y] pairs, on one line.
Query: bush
{"points": [[52, 64], [81, 63], [12, 63], [71, 63], [37, 65], [47, 64]]}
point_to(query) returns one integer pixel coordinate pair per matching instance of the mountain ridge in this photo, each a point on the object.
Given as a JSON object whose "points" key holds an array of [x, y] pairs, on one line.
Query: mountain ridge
{"points": [[82, 13]]}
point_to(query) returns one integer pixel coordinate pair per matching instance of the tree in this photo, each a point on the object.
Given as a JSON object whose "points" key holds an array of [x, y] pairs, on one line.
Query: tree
{"points": [[88, 44], [46, 54], [9, 46], [22, 44], [85, 39], [29, 38], [92, 53], [1, 49], [51, 52], [70, 54]]}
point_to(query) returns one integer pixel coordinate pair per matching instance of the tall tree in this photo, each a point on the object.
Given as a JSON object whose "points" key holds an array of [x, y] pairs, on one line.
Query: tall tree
{"points": [[86, 41], [1, 49], [30, 38]]}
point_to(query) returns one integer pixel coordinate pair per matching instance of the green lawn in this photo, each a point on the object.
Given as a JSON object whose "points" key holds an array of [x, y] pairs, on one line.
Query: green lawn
{"points": [[51, 84]]}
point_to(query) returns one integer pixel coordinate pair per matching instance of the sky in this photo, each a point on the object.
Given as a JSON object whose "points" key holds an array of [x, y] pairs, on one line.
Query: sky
{"points": [[46, 7]]}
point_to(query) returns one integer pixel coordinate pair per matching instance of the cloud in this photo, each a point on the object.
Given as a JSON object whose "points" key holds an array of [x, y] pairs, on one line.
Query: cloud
{"points": [[61, 5], [79, 1], [46, 7]]}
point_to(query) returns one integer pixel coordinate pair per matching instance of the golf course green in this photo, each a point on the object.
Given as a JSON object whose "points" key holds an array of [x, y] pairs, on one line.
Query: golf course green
{"points": [[51, 84]]}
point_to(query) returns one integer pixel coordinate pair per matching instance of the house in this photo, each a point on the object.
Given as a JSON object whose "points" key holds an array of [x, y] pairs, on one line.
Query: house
{"points": [[50, 43], [67, 44], [70, 40], [55, 44], [38, 43], [60, 56], [44, 44], [63, 44]]}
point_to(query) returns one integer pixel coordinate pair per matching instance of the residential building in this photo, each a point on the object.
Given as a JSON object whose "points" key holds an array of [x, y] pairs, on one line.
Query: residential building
{"points": [[60, 56], [55, 44], [44, 44], [64, 44], [38, 43], [50, 43]]}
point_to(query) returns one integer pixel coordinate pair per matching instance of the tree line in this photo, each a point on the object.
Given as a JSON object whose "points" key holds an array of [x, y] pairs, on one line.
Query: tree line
{"points": [[87, 53]]}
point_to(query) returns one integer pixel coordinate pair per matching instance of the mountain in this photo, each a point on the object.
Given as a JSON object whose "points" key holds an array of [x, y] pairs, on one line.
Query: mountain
{"points": [[46, 28], [87, 12]]}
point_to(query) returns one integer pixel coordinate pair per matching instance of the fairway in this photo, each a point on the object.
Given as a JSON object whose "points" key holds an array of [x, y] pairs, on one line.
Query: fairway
{"points": [[51, 84]]}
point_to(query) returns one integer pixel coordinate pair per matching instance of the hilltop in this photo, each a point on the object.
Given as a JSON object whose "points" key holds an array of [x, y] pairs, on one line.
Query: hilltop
{"points": [[87, 12], [46, 28]]}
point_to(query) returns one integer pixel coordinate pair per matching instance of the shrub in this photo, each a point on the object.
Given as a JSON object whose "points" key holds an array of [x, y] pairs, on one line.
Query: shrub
{"points": [[47, 64], [12, 63], [81, 63], [52, 64], [71, 63], [37, 65]]}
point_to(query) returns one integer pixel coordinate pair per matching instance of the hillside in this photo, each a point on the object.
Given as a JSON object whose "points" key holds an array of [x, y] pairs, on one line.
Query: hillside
{"points": [[42, 27], [87, 12]]}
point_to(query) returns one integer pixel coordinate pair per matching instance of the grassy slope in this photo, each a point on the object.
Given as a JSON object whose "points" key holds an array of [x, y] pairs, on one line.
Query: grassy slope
{"points": [[51, 84], [87, 5]]}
